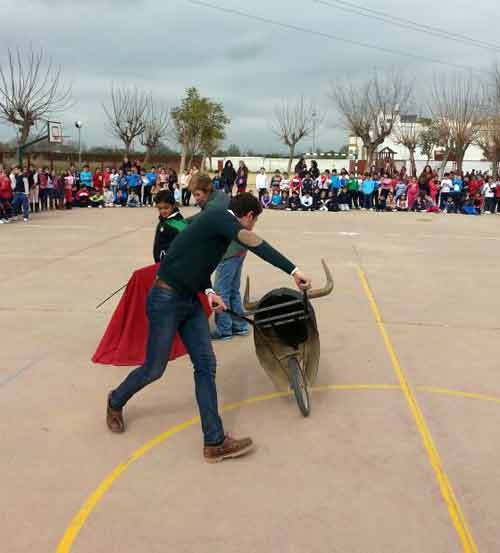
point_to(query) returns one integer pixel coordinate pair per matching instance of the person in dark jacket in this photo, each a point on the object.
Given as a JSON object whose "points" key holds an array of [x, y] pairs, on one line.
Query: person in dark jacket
{"points": [[314, 170], [294, 202], [307, 184], [21, 191], [172, 179], [301, 168], [228, 177], [171, 222], [126, 165]]}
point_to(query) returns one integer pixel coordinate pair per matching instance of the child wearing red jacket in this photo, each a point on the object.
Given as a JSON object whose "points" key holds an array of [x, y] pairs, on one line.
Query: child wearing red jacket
{"points": [[5, 198], [296, 184], [98, 180]]}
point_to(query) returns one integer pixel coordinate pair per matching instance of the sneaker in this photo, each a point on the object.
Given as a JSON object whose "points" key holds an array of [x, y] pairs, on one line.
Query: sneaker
{"points": [[241, 332], [114, 418], [216, 335], [230, 448], [25, 219], [2, 221]]}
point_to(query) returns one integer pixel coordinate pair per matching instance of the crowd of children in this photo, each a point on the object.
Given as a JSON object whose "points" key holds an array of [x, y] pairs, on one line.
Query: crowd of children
{"points": [[27, 191], [308, 189]]}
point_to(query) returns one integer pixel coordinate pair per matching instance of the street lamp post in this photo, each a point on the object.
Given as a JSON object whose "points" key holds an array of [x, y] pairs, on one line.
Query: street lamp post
{"points": [[79, 125], [314, 132]]}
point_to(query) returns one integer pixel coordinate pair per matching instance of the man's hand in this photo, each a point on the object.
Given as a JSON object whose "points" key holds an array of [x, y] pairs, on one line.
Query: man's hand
{"points": [[302, 282], [216, 303]]}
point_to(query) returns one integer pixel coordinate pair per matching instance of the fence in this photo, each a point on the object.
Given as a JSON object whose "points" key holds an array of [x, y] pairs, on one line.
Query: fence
{"points": [[94, 160]]}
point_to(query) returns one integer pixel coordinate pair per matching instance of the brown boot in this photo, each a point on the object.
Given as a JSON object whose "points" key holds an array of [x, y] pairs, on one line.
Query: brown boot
{"points": [[114, 418], [228, 449]]}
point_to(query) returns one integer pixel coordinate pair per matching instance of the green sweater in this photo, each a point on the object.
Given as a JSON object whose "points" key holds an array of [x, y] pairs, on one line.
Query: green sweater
{"points": [[220, 200], [352, 185], [194, 255]]}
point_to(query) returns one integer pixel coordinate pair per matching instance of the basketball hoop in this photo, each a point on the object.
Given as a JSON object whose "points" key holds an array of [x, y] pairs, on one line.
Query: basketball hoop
{"points": [[55, 132]]}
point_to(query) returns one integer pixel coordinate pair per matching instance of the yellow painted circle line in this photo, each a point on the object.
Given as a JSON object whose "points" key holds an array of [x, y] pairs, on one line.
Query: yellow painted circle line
{"points": [[91, 502]]}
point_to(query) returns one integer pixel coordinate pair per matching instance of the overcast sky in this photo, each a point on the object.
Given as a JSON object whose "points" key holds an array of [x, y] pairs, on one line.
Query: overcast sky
{"points": [[169, 45]]}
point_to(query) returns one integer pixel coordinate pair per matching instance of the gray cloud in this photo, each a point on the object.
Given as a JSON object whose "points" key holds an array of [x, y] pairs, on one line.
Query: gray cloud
{"points": [[248, 65]]}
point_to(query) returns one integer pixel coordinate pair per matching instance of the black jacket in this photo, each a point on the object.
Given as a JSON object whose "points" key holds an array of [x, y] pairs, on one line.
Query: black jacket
{"points": [[228, 175], [166, 231]]}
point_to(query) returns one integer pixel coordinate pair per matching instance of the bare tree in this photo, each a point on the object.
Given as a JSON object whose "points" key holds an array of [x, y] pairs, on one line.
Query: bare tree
{"points": [[489, 141], [156, 126], [369, 111], [457, 107], [31, 90], [489, 136], [407, 133], [293, 121], [126, 114]]}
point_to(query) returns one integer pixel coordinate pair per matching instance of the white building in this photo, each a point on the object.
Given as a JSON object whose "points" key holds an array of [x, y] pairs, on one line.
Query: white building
{"points": [[474, 158]]}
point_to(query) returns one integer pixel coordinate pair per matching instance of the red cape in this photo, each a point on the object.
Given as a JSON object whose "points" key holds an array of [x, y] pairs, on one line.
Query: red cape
{"points": [[124, 342]]}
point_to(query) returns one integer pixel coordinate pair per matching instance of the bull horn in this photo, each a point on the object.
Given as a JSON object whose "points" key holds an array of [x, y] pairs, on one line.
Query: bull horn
{"points": [[327, 289], [249, 305]]}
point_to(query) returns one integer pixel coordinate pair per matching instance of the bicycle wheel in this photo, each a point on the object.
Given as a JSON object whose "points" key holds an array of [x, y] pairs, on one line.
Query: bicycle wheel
{"points": [[299, 386]]}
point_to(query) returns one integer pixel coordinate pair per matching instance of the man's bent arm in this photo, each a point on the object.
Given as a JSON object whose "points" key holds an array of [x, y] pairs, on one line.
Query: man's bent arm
{"points": [[265, 251]]}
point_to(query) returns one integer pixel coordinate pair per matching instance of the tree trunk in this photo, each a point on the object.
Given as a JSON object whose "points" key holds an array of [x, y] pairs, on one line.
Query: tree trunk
{"points": [[147, 157], [370, 151], [183, 158], [494, 167], [24, 133], [127, 147], [412, 163], [203, 163], [291, 155], [443, 164]]}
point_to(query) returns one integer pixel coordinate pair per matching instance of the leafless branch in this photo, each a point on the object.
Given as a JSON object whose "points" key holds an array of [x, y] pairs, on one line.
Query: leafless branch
{"points": [[31, 90], [156, 125], [369, 111], [488, 138], [293, 121], [457, 107], [126, 114]]}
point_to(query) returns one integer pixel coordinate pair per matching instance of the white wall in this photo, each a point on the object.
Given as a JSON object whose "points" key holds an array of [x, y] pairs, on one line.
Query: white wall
{"points": [[255, 163]]}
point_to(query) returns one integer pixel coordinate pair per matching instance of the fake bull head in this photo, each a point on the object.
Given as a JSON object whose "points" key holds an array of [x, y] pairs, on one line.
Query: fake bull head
{"points": [[312, 294]]}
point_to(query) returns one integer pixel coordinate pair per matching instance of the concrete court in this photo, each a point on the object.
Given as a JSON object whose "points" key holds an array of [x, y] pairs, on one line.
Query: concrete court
{"points": [[353, 478]]}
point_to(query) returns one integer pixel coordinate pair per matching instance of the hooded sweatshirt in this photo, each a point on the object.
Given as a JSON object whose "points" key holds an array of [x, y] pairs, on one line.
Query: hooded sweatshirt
{"points": [[167, 229]]}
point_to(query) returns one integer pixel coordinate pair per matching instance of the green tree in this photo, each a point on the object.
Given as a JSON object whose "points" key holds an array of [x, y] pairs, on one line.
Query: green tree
{"points": [[428, 140], [233, 151], [199, 125]]}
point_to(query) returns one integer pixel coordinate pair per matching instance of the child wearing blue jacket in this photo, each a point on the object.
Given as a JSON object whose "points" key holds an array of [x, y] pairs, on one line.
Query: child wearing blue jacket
{"points": [[367, 188]]}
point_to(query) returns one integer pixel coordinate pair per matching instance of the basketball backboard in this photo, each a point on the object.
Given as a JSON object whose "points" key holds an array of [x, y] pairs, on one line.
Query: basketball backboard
{"points": [[55, 132]]}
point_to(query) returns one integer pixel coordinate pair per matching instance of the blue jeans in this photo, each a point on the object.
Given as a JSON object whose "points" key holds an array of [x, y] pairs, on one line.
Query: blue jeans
{"points": [[21, 199], [169, 313], [227, 285]]}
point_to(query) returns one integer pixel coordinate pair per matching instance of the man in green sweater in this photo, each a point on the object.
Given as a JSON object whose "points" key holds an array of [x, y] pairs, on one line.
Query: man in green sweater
{"points": [[173, 306]]}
